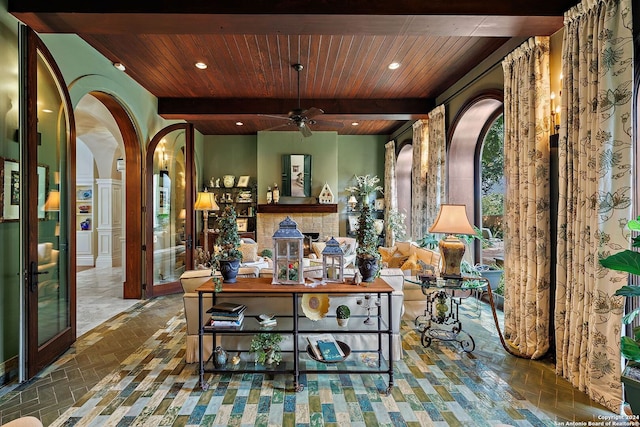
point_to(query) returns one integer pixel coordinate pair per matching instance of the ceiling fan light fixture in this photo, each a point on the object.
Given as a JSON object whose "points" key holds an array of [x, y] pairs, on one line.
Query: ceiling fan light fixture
{"points": [[394, 65], [201, 65]]}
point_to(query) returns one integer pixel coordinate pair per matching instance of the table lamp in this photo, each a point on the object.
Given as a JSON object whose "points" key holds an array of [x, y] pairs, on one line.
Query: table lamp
{"points": [[452, 220], [206, 202]]}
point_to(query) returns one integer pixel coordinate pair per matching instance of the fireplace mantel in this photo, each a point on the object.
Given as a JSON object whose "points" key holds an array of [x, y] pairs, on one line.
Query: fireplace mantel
{"points": [[298, 208]]}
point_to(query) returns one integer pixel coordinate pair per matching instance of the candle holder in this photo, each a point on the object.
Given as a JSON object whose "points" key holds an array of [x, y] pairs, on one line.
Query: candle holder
{"points": [[368, 303]]}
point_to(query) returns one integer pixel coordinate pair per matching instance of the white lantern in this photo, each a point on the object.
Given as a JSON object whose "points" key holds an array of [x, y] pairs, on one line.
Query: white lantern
{"points": [[288, 254], [333, 262]]}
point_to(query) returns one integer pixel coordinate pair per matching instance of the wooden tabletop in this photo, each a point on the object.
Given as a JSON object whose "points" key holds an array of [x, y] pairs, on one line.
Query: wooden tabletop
{"points": [[263, 285]]}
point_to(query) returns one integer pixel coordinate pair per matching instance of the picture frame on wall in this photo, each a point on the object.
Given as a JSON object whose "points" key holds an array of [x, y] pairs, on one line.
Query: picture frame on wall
{"points": [[243, 181], [10, 200]]}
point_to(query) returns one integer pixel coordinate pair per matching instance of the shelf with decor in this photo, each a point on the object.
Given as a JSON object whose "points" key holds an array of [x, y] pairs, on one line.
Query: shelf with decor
{"points": [[244, 200], [300, 326], [84, 224]]}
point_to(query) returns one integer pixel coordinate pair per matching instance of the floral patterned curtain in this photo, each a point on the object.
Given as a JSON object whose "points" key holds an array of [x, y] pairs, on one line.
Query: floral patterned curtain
{"points": [[436, 181], [595, 162], [527, 222], [390, 189], [418, 179]]}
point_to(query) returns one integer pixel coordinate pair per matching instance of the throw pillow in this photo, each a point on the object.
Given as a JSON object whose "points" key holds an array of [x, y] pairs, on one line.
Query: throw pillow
{"points": [[249, 252], [396, 261], [387, 253], [411, 263], [404, 248]]}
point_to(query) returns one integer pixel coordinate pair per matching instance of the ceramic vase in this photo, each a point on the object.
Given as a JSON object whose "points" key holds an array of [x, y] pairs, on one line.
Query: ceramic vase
{"points": [[228, 181], [219, 357]]}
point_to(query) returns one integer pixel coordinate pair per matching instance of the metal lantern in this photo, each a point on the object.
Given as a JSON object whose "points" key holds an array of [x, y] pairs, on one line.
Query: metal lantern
{"points": [[288, 254], [333, 262]]}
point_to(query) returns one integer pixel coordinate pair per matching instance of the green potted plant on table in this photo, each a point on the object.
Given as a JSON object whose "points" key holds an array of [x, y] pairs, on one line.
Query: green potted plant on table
{"points": [[367, 256], [629, 261], [228, 255], [267, 348], [342, 315]]}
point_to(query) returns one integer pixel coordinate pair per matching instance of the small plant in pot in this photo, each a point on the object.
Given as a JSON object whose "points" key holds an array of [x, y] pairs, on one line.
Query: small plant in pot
{"points": [[342, 315], [266, 346], [228, 256], [628, 261]]}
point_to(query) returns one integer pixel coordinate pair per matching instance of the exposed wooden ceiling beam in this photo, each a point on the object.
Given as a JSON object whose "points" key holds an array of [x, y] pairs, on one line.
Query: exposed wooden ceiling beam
{"points": [[335, 109], [494, 18]]}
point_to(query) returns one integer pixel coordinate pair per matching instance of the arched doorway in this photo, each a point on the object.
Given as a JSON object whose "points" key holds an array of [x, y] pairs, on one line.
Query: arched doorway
{"points": [[132, 184], [466, 137]]}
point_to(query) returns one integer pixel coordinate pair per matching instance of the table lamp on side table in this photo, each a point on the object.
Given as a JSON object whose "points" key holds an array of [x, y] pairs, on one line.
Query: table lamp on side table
{"points": [[206, 202], [452, 220]]}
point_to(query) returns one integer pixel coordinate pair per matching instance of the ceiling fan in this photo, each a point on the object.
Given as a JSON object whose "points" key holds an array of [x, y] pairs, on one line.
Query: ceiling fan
{"points": [[299, 117]]}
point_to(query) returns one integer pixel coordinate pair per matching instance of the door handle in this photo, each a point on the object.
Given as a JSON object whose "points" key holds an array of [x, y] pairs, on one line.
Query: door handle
{"points": [[33, 279]]}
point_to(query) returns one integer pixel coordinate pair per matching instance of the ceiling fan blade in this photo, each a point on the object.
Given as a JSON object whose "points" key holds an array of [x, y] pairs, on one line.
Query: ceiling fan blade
{"points": [[279, 126], [312, 112], [304, 129], [273, 116]]}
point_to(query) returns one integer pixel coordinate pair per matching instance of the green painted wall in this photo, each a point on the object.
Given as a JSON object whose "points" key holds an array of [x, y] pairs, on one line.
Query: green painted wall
{"points": [[335, 160]]}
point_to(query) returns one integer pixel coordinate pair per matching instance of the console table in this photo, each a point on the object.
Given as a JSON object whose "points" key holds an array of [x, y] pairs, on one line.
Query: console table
{"points": [[297, 325], [441, 318]]}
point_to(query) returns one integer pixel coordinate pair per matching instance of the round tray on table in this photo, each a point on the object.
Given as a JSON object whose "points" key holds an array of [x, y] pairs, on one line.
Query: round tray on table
{"points": [[343, 346]]}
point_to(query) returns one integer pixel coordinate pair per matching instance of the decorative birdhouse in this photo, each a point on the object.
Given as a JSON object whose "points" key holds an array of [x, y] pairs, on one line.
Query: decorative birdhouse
{"points": [[287, 254], [333, 262]]}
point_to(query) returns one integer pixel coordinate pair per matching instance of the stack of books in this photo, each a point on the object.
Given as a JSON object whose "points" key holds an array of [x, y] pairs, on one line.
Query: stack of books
{"points": [[325, 348], [227, 315]]}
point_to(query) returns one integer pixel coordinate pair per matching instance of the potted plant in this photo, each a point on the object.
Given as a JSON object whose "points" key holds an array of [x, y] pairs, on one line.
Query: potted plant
{"points": [[342, 315], [629, 261], [267, 348], [228, 255], [367, 256]]}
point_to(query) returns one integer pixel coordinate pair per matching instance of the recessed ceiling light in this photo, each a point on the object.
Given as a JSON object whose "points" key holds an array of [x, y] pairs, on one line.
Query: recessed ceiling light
{"points": [[355, 124], [201, 65], [120, 66], [239, 124], [394, 65], [46, 110]]}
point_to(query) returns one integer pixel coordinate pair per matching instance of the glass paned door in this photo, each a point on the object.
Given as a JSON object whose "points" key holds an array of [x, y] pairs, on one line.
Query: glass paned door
{"points": [[168, 218], [46, 139]]}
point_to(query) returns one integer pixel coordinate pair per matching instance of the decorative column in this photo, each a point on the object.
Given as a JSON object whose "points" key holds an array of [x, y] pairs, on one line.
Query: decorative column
{"points": [[109, 223]]}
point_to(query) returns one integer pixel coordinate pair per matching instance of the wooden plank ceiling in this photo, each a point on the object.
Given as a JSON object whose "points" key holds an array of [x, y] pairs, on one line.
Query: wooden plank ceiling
{"points": [[249, 48]]}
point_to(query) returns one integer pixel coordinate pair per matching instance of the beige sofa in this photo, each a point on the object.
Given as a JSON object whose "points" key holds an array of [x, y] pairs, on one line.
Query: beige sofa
{"points": [[405, 256], [283, 305]]}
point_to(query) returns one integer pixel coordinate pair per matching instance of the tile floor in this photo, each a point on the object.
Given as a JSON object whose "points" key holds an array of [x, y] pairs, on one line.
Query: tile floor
{"points": [[113, 339]]}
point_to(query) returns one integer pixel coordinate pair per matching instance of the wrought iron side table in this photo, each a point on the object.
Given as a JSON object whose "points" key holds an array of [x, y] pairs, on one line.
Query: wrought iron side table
{"points": [[441, 318]]}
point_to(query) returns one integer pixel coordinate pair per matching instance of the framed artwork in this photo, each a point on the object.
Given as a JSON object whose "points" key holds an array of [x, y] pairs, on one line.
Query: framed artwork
{"points": [[296, 175], [10, 200], [243, 181], [353, 223], [379, 204], [243, 224]]}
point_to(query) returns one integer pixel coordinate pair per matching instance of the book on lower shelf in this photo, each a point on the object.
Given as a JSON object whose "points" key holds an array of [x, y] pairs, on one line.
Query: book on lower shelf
{"points": [[227, 307], [327, 342]]}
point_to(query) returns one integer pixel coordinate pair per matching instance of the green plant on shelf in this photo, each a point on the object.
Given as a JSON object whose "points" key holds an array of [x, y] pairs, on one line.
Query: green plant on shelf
{"points": [[267, 348]]}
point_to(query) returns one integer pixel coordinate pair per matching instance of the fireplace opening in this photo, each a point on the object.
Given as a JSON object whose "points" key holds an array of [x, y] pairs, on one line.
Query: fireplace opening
{"points": [[306, 242]]}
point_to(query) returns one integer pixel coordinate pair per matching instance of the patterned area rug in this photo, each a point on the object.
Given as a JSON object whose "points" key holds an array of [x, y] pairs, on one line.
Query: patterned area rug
{"points": [[435, 386]]}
